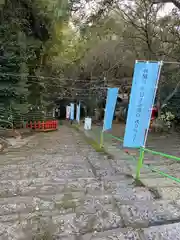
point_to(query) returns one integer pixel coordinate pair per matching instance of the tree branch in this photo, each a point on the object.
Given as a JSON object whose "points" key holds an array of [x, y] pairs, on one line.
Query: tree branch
{"points": [[171, 95], [175, 2]]}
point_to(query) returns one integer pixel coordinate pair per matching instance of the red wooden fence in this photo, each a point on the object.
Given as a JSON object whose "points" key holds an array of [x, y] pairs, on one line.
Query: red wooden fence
{"points": [[45, 125]]}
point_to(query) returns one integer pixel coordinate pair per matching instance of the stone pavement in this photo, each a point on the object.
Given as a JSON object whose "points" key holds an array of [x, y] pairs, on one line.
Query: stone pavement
{"points": [[58, 187], [149, 178]]}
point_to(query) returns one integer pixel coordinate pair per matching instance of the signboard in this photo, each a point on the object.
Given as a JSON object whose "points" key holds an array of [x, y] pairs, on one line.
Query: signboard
{"points": [[87, 123], [78, 112], [72, 111], [145, 80], [110, 107]]}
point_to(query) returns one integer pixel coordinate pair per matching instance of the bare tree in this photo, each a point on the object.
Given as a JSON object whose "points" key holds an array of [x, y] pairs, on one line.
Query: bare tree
{"points": [[175, 2]]}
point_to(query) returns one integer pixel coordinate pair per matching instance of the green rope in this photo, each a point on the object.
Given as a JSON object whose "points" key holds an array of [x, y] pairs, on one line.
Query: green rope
{"points": [[162, 173], [154, 153], [148, 150], [132, 158], [162, 154], [156, 170], [114, 137]]}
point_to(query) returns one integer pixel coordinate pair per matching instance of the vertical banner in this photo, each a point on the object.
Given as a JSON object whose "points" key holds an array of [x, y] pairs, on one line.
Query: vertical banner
{"points": [[72, 112], [78, 112], [54, 111], [145, 80], [110, 107], [68, 109]]}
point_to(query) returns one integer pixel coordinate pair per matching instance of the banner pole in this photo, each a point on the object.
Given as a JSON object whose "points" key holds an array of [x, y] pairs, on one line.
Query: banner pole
{"points": [[140, 163], [155, 90], [141, 155]]}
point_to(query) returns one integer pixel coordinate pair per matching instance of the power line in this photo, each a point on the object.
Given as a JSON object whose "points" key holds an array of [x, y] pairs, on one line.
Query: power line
{"points": [[54, 78]]}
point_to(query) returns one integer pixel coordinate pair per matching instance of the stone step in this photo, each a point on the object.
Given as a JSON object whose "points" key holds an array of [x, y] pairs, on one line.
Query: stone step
{"points": [[19, 205], [151, 175], [73, 201], [149, 213], [45, 164], [124, 189], [85, 219], [171, 193], [165, 232], [158, 162], [133, 193], [30, 172], [45, 155], [35, 160], [60, 226], [109, 173], [159, 182], [169, 169], [33, 186], [62, 201], [117, 233], [90, 225]]}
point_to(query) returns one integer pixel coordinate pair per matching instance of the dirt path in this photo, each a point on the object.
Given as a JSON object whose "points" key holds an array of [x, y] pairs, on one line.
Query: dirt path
{"points": [[58, 187]]}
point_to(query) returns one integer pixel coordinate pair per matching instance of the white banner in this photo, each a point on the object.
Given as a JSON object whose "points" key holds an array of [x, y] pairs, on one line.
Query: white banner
{"points": [[68, 110]]}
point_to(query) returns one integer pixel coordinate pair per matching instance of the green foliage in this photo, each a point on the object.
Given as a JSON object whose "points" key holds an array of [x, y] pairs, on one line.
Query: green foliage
{"points": [[24, 31], [47, 45], [13, 60]]}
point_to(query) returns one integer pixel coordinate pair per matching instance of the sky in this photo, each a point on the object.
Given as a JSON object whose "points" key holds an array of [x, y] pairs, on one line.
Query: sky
{"points": [[87, 7], [166, 9]]}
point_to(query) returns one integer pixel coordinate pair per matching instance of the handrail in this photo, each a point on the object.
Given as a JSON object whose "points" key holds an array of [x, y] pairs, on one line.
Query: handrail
{"points": [[149, 166], [149, 150], [162, 154]]}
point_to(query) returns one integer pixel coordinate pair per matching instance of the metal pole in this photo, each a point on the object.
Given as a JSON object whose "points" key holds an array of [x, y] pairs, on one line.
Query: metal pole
{"points": [[164, 62], [146, 61], [141, 155], [140, 163], [159, 73], [102, 139], [172, 63]]}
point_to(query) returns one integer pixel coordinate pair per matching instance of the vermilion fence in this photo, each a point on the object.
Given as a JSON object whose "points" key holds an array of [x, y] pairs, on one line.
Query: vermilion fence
{"points": [[43, 126]]}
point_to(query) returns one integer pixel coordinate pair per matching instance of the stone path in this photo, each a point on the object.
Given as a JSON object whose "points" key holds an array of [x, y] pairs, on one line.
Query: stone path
{"points": [[168, 143], [163, 142], [57, 187], [158, 216]]}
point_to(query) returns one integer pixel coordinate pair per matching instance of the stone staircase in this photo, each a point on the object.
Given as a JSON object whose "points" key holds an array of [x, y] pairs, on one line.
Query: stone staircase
{"points": [[150, 206], [57, 187]]}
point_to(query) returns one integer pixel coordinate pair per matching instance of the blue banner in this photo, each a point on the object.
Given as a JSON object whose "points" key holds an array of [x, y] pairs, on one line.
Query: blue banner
{"points": [[72, 112], [110, 107], [143, 91], [78, 107]]}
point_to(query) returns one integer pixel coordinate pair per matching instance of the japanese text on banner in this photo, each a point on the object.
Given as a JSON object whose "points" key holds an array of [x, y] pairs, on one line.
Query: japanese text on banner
{"points": [[140, 103], [143, 91]]}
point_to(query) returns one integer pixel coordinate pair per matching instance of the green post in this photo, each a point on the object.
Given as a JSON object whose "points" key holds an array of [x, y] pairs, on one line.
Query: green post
{"points": [[102, 139], [140, 163]]}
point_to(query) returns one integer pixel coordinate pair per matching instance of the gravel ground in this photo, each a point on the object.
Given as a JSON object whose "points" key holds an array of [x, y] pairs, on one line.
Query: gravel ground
{"points": [[58, 187]]}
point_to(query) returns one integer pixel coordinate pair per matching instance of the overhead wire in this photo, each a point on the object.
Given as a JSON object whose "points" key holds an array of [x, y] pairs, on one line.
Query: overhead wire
{"points": [[53, 78]]}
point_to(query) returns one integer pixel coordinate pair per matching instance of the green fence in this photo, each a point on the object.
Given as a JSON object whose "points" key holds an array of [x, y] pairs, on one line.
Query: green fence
{"points": [[141, 163]]}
